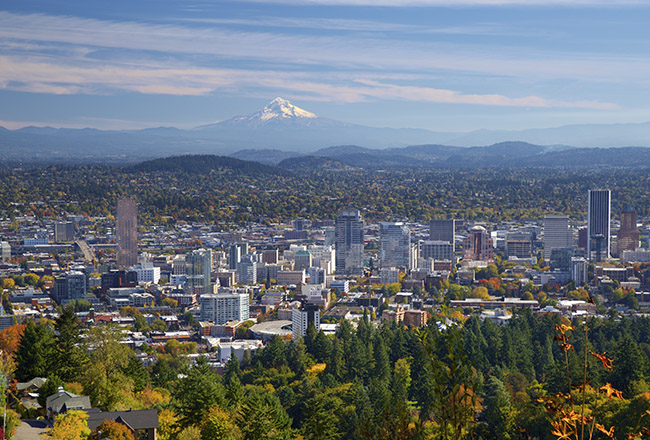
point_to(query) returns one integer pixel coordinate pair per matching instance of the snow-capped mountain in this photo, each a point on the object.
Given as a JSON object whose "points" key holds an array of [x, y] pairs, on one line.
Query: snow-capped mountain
{"points": [[277, 112]]}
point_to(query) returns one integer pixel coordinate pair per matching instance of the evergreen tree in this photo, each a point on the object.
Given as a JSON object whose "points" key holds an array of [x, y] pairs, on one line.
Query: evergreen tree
{"points": [[321, 422], [263, 418], [630, 365], [498, 411], [382, 363], [137, 373], [322, 347], [336, 364], [51, 386], [70, 358], [297, 357], [275, 352], [231, 370], [196, 393], [35, 352], [162, 373]]}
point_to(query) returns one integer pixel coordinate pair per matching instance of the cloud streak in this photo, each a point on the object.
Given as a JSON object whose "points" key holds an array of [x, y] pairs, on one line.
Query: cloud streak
{"points": [[303, 51], [44, 77], [70, 55]]}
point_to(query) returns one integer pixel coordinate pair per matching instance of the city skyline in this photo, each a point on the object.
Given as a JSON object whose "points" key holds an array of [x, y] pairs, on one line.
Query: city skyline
{"points": [[429, 64]]}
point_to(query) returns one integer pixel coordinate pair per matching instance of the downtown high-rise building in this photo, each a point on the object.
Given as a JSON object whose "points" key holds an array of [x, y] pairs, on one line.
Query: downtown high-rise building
{"points": [[627, 238], [598, 224], [127, 233], [443, 230], [478, 245], [224, 307], [556, 234], [349, 242], [395, 245], [63, 232], [198, 269]]}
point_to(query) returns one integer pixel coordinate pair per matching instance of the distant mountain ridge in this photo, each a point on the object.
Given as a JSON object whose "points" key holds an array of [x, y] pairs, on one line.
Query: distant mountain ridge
{"points": [[205, 164], [285, 130]]}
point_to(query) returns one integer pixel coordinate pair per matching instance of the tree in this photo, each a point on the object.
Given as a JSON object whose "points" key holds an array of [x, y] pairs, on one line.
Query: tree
{"points": [[110, 429], [453, 382], [218, 425], [70, 359], [395, 421], [35, 352], [10, 419], [190, 433], [70, 426], [263, 418], [32, 279], [630, 365], [498, 410], [104, 379], [8, 283], [480, 292], [168, 426], [321, 421], [196, 393], [231, 370], [51, 386]]}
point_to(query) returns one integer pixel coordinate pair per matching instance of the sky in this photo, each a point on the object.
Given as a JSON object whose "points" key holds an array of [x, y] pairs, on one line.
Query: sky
{"points": [[442, 65]]}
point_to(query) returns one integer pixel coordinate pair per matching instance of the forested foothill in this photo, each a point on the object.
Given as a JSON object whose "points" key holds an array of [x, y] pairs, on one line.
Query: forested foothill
{"points": [[230, 191]]}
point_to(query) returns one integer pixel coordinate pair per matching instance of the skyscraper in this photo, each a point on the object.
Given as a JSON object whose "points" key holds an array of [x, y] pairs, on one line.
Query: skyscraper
{"points": [[349, 242], [478, 245], [224, 307], [63, 232], [395, 245], [628, 235], [598, 224], [198, 267], [127, 233], [443, 230], [70, 285], [556, 234]]}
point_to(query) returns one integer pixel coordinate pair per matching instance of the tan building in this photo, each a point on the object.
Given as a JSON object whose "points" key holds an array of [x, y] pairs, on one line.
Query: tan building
{"points": [[395, 315], [416, 318], [628, 236]]}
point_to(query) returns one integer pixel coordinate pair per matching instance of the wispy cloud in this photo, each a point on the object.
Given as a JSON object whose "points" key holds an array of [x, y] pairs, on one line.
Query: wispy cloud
{"points": [[45, 77], [70, 55], [366, 26], [428, 94]]}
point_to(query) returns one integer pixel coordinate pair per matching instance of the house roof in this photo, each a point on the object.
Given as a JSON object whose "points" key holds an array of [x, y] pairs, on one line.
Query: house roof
{"points": [[36, 382], [138, 419], [65, 400]]}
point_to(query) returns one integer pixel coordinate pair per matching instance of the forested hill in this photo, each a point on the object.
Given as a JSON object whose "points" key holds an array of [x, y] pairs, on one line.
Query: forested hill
{"points": [[206, 164]]}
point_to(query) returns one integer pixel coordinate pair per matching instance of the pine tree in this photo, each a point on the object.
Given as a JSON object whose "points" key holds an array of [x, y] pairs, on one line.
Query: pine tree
{"points": [[70, 358], [35, 352], [321, 422], [263, 418]]}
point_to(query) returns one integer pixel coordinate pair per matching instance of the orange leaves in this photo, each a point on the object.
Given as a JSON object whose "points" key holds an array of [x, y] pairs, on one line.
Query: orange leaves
{"points": [[562, 337], [563, 328], [611, 391], [607, 362], [602, 429], [10, 338]]}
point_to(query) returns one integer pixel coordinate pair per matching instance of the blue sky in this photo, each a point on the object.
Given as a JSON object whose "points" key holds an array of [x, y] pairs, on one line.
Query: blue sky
{"points": [[442, 65]]}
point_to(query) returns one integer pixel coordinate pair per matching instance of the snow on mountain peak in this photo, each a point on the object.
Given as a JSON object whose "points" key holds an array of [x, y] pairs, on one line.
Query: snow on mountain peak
{"points": [[282, 109]]}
